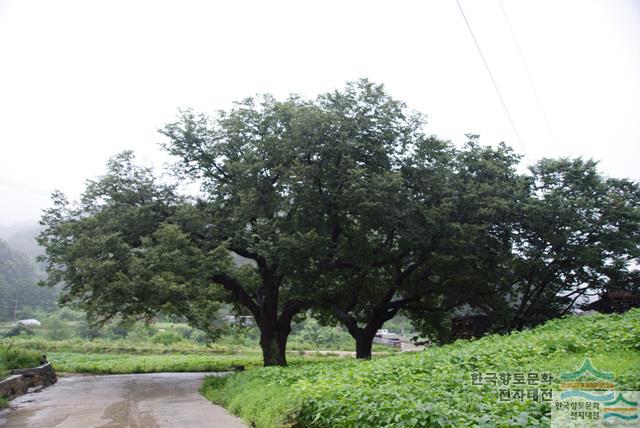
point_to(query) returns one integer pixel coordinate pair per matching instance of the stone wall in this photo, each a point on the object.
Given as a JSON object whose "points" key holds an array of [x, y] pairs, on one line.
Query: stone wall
{"points": [[13, 386], [23, 379]]}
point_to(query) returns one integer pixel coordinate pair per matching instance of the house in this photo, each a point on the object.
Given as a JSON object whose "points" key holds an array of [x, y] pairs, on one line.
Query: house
{"points": [[614, 302]]}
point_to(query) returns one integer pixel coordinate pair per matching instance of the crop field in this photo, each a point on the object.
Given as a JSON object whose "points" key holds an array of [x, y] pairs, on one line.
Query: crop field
{"points": [[434, 388]]}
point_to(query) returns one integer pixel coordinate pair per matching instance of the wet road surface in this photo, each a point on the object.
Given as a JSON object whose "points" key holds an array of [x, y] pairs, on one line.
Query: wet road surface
{"points": [[134, 401]]}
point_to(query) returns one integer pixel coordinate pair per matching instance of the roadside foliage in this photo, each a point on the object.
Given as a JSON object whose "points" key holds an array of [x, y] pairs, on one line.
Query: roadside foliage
{"points": [[434, 388]]}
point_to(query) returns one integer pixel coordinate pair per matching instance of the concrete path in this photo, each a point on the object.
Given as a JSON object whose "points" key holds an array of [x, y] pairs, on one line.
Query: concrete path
{"points": [[134, 401]]}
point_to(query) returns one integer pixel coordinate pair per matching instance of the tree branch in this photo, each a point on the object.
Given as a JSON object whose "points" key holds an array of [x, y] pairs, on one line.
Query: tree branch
{"points": [[239, 293]]}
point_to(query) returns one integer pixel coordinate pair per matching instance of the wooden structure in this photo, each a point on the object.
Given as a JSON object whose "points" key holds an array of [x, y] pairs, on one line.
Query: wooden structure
{"points": [[469, 326], [615, 302]]}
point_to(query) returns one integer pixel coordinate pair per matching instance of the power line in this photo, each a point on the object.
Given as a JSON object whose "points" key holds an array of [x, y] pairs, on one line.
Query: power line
{"points": [[526, 68], [493, 80]]}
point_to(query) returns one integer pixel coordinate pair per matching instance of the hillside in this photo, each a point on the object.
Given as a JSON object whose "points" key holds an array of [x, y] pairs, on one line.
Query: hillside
{"points": [[434, 388]]}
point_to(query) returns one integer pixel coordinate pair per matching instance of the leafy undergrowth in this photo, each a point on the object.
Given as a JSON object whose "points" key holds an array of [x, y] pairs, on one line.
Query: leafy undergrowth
{"points": [[15, 358], [433, 388], [12, 357], [133, 363]]}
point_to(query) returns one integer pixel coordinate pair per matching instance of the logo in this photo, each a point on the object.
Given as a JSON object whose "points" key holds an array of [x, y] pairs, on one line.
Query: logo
{"points": [[588, 398], [621, 409]]}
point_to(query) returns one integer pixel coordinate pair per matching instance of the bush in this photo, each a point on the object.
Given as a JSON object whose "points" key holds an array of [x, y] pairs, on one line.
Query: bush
{"points": [[88, 331], [18, 330], [16, 358], [57, 329], [166, 338], [117, 331], [67, 314], [321, 336], [185, 331], [141, 332]]}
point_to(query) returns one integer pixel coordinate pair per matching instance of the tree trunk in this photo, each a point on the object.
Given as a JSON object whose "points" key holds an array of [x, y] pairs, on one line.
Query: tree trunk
{"points": [[282, 348], [274, 328], [273, 344], [364, 343], [364, 336], [273, 338]]}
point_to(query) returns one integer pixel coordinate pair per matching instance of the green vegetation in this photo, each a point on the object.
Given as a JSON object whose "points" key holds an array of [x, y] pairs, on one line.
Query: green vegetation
{"points": [[342, 207], [12, 357], [75, 362], [66, 330], [433, 388], [72, 345]]}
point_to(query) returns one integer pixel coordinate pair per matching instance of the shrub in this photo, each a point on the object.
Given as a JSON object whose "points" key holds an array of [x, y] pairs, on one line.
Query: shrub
{"points": [[16, 358], [18, 330], [185, 331], [166, 338], [57, 329], [88, 331]]}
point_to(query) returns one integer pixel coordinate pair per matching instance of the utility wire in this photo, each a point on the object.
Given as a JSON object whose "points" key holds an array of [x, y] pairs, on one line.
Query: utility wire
{"points": [[526, 68], [493, 80]]}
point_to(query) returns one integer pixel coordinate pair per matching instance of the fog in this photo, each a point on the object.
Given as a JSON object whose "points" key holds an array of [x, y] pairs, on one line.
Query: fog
{"points": [[81, 81]]}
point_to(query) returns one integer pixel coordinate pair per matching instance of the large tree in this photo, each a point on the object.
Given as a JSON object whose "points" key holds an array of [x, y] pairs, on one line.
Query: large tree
{"points": [[245, 161], [341, 205], [578, 236], [94, 247], [405, 221], [132, 247]]}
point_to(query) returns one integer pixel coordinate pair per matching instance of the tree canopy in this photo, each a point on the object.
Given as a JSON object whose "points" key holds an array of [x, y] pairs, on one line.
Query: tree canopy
{"points": [[344, 207]]}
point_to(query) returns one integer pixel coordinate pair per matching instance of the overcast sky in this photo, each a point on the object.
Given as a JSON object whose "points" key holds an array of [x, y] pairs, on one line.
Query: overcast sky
{"points": [[83, 80]]}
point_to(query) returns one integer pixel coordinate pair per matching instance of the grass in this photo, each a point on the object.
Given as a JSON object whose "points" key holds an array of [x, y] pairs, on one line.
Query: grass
{"points": [[134, 363], [119, 346], [130, 346], [433, 388], [74, 362]]}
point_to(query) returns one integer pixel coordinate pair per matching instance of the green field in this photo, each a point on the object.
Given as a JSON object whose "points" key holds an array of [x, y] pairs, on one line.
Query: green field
{"points": [[66, 330], [73, 346], [434, 388], [76, 362]]}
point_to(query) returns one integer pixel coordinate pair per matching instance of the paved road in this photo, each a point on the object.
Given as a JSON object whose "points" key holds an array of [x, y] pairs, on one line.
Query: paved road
{"points": [[134, 401]]}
